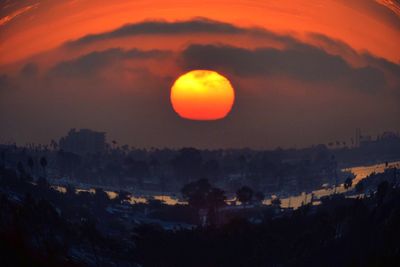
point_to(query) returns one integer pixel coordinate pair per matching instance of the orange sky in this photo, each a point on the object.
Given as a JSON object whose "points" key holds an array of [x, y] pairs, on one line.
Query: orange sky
{"points": [[304, 71], [38, 26]]}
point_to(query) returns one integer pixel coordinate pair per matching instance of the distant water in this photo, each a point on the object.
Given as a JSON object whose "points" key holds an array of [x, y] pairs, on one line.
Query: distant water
{"points": [[362, 172], [169, 200], [295, 202]]}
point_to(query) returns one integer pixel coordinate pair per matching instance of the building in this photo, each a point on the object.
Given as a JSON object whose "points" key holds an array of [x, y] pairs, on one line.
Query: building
{"points": [[84, 141]]}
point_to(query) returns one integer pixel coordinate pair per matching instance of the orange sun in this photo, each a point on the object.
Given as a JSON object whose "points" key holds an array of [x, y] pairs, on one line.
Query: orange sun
{"points": [[202, 95]]}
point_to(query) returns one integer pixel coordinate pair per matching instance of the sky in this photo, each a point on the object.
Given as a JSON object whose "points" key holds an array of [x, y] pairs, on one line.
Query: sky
{"points": [[304, 72]]}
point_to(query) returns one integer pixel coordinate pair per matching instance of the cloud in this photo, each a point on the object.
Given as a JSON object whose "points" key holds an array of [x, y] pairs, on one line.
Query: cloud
{"points": [[391, 67], [197, 25], [393, 5], [334, 46], [29, 70], [161, 27], [344, 50], [7, 19], [90, 63], [385, 11], [306, 63], [4, 81], [126, 92]]}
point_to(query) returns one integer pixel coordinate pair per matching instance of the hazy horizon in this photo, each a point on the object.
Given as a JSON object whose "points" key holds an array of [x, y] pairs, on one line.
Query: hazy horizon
{"points": [[295, 84]]}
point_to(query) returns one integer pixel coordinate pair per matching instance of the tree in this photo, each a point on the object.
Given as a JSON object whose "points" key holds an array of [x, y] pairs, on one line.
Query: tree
{"points": [[348, 183], [244, 194], [215, 199], [100, 197], [53, 145], [187, 164], [200, 195], [123, 196], [90, 233], [3, 158], [70, 190], [211, 169], [43, 163], [31, 164], [382, 191], [138, 169], [21, 169], [276, 202], [154, 167], [259, 197], [360, 187], [42, 183], [196, 193]]}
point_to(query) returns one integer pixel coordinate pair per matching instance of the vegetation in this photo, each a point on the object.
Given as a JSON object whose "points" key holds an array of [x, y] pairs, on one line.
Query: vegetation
{"points": [[40, 226]]}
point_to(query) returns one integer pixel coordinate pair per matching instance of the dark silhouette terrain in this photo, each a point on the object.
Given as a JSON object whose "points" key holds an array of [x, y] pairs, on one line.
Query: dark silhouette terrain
{"points": [[40, 226]]}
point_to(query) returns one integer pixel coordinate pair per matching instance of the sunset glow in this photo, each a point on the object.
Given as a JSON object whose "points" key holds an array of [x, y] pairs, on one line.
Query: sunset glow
{"points": [[199, 133], [73, 63]]}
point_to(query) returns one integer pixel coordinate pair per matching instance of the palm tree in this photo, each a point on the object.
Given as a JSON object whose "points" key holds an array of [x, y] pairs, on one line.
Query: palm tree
{"points": [[21, 169], [259, 197], [70, 190], [382, 190], [215, 199], [43, 163], [31, 164], [53, 144], [244, 194], [3, 158]]}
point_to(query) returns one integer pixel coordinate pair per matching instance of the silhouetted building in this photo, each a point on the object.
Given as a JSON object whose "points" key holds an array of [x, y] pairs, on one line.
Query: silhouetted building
{"points": [[387, 139], [84, 141]]}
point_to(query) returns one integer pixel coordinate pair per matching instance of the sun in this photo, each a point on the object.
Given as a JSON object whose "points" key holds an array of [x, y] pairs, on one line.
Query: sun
{"points": [[202, 95]]}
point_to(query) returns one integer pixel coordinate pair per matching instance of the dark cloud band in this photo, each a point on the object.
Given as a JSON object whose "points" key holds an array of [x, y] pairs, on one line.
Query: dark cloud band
{"points": [[198, 25], [90, 63], [304, 62]]}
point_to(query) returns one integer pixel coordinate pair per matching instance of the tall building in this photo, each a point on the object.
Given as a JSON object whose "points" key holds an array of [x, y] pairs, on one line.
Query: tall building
{"points": [[84, 141]]}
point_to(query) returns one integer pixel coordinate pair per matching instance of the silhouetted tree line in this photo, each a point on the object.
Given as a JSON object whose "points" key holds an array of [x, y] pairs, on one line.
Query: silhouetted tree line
{"points": [[40, 226], [339, 232], [168, 170]]}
